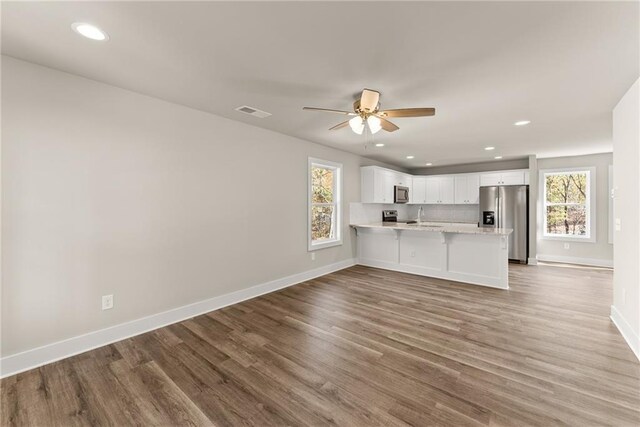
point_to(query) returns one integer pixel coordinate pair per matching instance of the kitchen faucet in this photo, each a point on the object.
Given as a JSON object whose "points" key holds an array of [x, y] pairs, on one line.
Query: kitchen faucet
{"points": [[420, 214]]}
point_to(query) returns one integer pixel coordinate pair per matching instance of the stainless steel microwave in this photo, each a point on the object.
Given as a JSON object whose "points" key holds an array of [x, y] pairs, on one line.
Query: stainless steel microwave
{"points": [[400, 194]]}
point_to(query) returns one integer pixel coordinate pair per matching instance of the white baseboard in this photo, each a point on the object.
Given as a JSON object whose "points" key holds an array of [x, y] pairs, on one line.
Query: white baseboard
{"points": [[20, 362], [626, 331], [594, 262], [532, 261]]}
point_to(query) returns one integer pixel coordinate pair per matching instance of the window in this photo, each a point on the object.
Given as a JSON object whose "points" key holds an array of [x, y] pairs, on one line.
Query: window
{"points": [[568, 204], [325, 183]]}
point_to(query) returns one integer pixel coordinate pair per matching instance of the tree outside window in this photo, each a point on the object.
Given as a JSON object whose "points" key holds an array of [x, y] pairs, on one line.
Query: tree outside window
{"points": [[566, 204], [324, 208]]}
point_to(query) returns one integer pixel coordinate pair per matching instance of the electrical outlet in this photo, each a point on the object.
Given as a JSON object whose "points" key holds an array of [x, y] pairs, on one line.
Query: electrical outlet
{"points": [[107, 302], [618, 224], [313, 256], [567, 246], [413, 254]]}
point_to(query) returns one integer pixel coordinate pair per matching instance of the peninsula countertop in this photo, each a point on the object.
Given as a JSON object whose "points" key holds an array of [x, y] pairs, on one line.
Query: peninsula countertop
{"points": [[427, 226]]}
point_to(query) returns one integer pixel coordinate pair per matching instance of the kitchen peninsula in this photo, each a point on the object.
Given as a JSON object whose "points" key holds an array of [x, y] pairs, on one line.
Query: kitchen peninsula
{"points": [[462, 253]]}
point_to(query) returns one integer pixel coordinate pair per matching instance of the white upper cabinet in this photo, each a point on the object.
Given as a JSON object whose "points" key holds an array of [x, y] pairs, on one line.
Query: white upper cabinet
{"points": [[418, 193], [403, 180], [467, 189], [432, 190], [517, 177], [439, 190], [377, 184]]}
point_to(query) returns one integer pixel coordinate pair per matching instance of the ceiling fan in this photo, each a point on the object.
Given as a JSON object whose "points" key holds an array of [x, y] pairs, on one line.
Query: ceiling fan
{"points": [[367, 110]]}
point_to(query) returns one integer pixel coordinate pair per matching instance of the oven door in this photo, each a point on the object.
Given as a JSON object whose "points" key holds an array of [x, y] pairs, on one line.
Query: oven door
{"points": [[401, 194]]}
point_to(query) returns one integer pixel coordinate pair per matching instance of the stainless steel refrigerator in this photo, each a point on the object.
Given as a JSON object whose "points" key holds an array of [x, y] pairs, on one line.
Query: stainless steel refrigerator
{"points": [[507, 206]]}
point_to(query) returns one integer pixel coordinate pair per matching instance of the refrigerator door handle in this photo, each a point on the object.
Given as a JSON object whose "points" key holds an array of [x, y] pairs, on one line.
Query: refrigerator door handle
{"points": [[498, 212]]}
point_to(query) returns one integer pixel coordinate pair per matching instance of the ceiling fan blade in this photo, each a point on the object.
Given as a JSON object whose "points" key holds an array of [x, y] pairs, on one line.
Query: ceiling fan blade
{"points": [[328, 110], [387, 125], [340, 125], [369, 100], [409, 112]]}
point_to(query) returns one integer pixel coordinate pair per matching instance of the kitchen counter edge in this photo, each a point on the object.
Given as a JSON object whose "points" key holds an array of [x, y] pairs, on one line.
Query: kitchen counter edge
{"points": [[443, 229]]}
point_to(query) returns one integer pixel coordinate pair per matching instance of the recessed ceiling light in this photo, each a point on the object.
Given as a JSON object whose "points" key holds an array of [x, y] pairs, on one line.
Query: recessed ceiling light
{"points": [[489, 148], [497, 157], [522, 122], [428, 164], [379, 145], [90, 31], [410, 157]]}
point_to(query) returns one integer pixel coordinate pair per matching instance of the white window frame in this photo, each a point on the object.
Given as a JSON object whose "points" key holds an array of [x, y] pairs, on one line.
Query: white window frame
{"points": [[337, 202], [590, 203]]}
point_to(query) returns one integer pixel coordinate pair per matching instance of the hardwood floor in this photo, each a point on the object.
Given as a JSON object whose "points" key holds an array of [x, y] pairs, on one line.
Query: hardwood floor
{"points": [[360, 347]]}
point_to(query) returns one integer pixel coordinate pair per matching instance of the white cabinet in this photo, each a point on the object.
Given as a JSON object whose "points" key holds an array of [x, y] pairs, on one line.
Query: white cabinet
{"points": [[385, 181], [439, 190], [418, 193], [403, 180], [517, 177], [376, 184], [513, 178], [447, 190], [467, 189]]}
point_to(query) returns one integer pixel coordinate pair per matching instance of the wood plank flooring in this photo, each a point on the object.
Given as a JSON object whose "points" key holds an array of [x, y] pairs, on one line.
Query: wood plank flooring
{"points": [[360, 347]]}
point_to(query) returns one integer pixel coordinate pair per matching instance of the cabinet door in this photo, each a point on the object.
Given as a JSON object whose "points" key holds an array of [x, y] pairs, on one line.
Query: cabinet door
{"points": [[432, 191], [490, 179], [418, 193], [447, 190], [388, 181], [403, 180], [513, 178], [473, 189], [460, 189]]}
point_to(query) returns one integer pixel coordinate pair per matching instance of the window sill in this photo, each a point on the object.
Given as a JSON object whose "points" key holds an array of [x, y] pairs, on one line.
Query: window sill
{"points": [[591, 239], [324, 244]]}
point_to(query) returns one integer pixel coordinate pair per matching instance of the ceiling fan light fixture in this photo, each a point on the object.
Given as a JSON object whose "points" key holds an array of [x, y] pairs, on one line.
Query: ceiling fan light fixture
{"points": [[357, 125], [374, 124]]}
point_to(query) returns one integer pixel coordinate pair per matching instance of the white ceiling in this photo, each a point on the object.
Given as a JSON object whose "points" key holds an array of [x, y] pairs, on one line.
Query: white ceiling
{"points": [[483, 65]]}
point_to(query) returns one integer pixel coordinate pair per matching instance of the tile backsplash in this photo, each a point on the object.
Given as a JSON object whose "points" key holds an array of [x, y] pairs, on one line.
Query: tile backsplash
{"points": [[363, 213], [448, 213]]}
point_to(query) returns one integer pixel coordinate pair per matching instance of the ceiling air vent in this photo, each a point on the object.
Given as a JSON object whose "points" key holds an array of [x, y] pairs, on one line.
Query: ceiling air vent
{"points": [[253, 111]]}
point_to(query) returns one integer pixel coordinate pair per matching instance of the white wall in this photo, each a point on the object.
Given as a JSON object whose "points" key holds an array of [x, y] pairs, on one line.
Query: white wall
{"points": [[533, 209], [599, 252], [626, 177], [106, 191]]}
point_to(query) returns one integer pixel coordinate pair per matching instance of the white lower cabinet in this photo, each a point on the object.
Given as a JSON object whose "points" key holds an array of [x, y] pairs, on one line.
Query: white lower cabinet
{"points": [[470, 258]]}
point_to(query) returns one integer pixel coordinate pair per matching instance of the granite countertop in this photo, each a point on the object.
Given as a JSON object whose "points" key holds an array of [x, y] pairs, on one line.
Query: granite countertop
{"points": [[462, 229]]}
